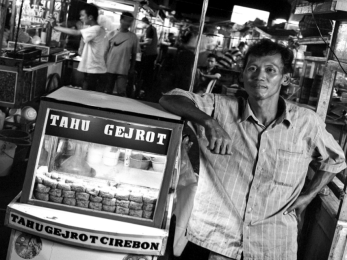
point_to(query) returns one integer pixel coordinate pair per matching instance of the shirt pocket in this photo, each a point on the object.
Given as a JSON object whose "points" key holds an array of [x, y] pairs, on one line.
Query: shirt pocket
{"points": [[290, 166]]}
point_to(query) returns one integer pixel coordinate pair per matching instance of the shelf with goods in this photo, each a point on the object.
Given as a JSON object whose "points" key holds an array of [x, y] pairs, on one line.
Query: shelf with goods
{"points": [[334, 10], [33, 20], [335, 81]]}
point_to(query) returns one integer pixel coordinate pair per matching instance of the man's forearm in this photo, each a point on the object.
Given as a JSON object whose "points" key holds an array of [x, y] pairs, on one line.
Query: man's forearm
{"points": [[67, 30], [185, 108], [146, 42], [210, 76], [319, 180], [133, 62]]}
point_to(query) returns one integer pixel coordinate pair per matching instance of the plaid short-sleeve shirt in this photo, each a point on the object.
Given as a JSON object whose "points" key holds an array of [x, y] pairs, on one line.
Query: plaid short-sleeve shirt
{"points": [[241, 197]]}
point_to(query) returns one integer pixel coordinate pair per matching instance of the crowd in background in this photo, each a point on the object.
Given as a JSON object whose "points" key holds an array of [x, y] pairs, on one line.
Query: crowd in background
{"points": [[119, 62]]}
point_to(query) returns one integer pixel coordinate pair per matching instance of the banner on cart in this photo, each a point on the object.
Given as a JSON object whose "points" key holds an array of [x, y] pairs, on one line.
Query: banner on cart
{"points": [[150, 246], [108, 132]]}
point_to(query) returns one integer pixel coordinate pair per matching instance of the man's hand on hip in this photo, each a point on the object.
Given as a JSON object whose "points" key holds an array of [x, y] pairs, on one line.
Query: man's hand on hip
{"points": [[319, 180], [299, 205], [219, 140]]}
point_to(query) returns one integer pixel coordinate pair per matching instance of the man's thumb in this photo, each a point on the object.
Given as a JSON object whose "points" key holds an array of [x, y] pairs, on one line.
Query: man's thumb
{"points": [[288, 210]]}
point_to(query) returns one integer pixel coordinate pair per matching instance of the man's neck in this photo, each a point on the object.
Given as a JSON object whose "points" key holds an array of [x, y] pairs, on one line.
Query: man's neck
{"points": [[266, 111], [92, 23]]}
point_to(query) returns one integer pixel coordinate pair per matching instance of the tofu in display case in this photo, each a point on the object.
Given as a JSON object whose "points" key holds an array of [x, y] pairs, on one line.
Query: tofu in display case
{"points": [[115, 162]]}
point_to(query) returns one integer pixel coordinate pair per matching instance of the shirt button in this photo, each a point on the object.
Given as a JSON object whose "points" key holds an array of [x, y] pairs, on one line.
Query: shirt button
{"points": [[249, 209], [263, 150]]}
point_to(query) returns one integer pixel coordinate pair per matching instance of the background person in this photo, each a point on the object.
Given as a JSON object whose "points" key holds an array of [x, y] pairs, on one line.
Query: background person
{"points": [[121, 55], [206, 74], [254, 159], [243, 47], [92, 62], [149, 44]]}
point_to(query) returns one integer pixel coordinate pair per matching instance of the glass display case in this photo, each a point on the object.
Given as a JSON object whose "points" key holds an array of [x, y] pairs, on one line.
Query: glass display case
{"points": [[113, 165]]}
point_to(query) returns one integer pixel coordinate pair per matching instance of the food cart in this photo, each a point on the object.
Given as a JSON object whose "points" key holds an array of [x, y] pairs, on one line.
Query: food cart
{"points": [[100, 180]]}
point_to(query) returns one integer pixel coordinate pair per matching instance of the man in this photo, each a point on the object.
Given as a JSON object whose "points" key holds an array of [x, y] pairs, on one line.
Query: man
{"points": [[149, 44], [207, 73], [243, 46], [92, 62], [121, 55], [254, 155]]}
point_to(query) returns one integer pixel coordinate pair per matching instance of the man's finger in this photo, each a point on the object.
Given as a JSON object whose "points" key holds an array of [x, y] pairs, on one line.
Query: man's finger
{"points": [[217, 147], [228, 149], [291, 208], [223, 148], [212, 143]]}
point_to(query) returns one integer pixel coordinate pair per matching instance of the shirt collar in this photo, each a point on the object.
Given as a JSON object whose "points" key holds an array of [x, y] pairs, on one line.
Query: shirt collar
{"points": [[284, 117]]}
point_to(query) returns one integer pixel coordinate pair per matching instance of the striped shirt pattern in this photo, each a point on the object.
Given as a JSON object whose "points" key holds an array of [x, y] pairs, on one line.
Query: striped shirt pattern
{"points": [[241, 197]]}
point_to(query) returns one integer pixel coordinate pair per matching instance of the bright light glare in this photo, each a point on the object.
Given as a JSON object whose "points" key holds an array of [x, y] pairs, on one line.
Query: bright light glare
{"points": [[241, 15], [278, 21], [112, 5]]}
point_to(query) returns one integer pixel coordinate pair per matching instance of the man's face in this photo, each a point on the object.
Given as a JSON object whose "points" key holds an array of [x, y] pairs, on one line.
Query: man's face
{"points": [[84, 17], [211, 62], [263, 77], [237, 58], [126, 22]]}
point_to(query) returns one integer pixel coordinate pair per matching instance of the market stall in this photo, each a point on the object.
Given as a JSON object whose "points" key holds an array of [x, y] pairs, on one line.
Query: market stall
{"points": [[27, 66], [101, 178]]}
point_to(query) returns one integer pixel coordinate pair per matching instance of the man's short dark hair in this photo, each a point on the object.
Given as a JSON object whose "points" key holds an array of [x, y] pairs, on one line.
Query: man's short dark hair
{"points": [[267, 47], [126, 14], [145, 20], [211, 55], [91, 10]]}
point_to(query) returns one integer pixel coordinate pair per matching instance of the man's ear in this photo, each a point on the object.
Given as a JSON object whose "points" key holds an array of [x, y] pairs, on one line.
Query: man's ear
{"points": [[286, 79]]}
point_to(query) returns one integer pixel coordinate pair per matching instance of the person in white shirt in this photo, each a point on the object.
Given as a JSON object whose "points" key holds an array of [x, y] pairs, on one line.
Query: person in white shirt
{"points": [[121, 55], [92, 62]]}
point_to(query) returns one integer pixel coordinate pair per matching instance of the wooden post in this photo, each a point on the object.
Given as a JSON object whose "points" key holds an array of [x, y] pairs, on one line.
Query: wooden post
{"points": [[3, 13], [325, 95], [201, 29]]}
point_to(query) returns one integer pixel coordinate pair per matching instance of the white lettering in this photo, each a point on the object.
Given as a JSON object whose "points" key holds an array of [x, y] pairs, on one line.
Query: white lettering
{"points": [[75, 123], [130, 134], [54, 119], [85, 125], [107, 130], [150, 137], [120, 131], [161, 138], [64, 122], [140, 135]]}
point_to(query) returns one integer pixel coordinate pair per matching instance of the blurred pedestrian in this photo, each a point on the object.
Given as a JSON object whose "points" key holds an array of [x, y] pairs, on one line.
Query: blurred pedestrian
{"points": [[121, 55], [92, 62], [149, 44]]}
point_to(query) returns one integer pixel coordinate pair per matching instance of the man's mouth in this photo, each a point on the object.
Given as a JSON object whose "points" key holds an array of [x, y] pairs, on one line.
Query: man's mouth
{"points": [[260, 87]]}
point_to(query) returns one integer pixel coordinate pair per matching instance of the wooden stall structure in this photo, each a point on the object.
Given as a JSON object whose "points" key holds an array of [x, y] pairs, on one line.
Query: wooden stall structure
{"points": [[325, 227]]}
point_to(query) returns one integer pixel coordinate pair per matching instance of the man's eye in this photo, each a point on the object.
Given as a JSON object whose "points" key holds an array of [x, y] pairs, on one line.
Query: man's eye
{"points": [[251, 69], [270, 70]]}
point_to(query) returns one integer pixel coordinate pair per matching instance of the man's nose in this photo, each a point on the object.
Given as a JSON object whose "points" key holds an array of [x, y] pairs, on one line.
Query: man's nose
{"points": [[259, 74]]}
